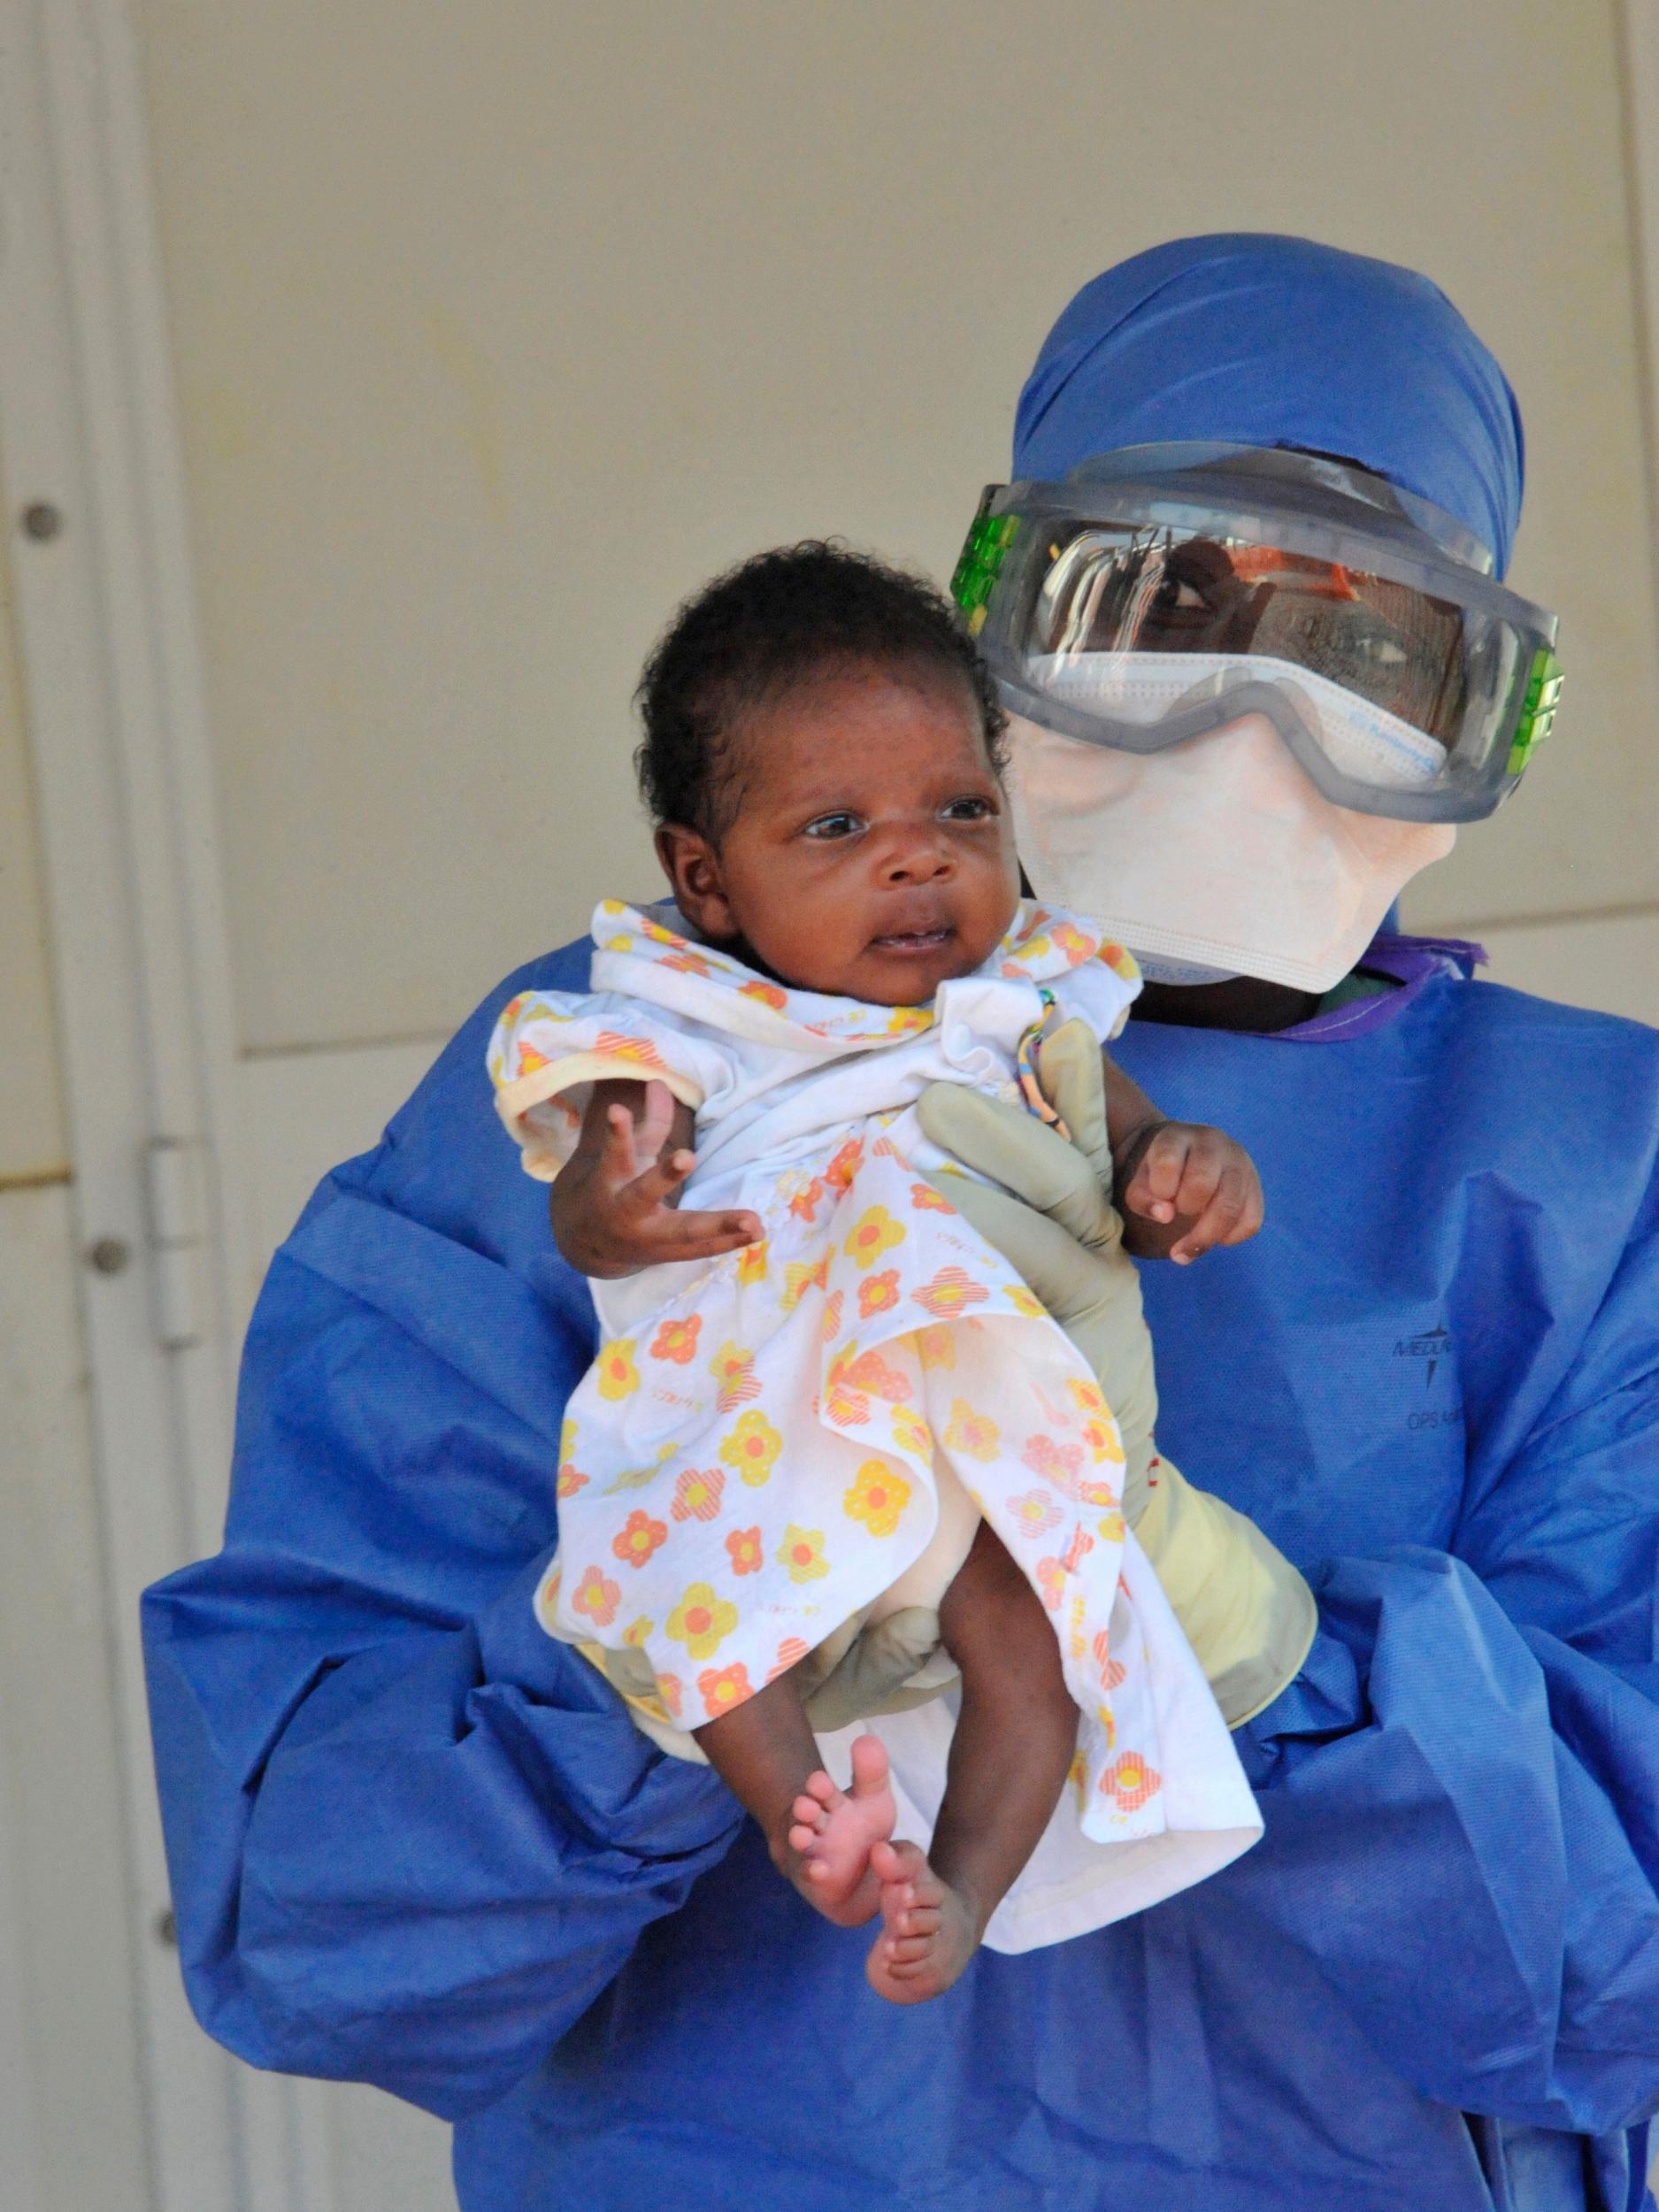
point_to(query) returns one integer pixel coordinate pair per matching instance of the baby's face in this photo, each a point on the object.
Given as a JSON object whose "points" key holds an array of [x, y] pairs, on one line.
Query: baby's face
{"points": [[872, 856]]}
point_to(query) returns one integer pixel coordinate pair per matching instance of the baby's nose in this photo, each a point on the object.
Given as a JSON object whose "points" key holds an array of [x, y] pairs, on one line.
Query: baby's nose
{"points": [[916, 856]]}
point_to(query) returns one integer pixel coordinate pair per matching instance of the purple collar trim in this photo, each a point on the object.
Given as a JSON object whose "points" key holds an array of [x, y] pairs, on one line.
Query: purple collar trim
{"points": [[1413, 962]]}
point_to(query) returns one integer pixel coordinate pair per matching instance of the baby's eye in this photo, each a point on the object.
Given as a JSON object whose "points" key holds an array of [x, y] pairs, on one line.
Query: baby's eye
{"points": [[831, 826], [970, 808]]}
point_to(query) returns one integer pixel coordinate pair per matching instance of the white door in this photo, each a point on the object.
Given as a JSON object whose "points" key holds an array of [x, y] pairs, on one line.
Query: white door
{"points": [[131, 1265]]}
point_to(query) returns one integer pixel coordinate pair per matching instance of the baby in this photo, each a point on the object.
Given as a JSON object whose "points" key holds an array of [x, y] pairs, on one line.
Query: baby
{"points": [[824, 1406]]}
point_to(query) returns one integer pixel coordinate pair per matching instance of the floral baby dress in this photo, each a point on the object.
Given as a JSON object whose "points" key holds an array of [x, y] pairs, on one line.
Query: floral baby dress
{"points": [[753, 1457]]}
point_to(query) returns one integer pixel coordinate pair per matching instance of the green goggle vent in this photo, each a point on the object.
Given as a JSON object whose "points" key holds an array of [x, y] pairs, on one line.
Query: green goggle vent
{"points": [[983, 553], [1538, 710]]}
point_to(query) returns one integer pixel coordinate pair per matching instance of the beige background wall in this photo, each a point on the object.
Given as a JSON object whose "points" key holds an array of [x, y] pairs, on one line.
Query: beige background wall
{"points": [[498, 327]]}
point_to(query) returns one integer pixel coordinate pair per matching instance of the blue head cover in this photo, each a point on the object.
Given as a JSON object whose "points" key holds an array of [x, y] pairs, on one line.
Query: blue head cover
{"points": [[1258, 340]]}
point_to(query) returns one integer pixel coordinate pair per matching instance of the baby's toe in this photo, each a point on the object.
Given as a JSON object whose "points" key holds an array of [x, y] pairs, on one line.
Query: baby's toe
{"points": [[820, 1787], [926, 1891], [808, 1813], [906, 1950], [896, 1861], [905, 1969], [870, 1764], [917, 1920]]}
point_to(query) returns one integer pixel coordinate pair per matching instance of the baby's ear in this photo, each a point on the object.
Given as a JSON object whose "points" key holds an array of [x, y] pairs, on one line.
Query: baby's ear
{"points": [[692, 865]]}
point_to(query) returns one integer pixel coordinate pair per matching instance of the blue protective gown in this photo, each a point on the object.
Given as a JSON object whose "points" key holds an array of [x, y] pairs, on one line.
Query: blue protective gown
{"points": [[414, 1842]]}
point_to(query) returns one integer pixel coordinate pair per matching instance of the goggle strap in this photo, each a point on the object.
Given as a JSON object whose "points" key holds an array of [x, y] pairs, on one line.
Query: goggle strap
{"points": [[984, 550], [1538, 710]]}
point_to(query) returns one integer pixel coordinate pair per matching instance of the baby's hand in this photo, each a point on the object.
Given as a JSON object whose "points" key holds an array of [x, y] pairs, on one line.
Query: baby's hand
{"points": [[1199, 1185], [612, 1207]]}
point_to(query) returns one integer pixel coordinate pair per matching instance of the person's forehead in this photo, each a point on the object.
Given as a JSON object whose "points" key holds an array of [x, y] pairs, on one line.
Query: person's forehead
{"points": [[880, 725]]}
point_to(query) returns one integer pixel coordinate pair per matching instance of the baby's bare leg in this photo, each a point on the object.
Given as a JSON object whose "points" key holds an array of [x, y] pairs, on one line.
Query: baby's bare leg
{"points": [[1012, 1748], [820, 1837]]}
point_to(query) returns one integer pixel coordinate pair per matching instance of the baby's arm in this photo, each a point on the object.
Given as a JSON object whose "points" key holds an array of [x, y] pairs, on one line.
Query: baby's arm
{"points": [[614, 1205], [1181, 1186]]}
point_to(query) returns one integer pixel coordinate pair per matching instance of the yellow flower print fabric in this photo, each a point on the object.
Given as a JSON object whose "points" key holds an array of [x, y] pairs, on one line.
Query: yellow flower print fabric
{"points": [[751, 1461]]}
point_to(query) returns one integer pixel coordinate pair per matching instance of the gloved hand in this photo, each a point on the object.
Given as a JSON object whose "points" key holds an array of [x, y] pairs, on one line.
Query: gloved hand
{"points": [[1248, 1613]]}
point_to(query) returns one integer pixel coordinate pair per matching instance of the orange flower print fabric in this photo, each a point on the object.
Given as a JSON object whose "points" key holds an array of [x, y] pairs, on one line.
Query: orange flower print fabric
{"points": [[754, 1457], [640, 1538], [747, 1557], [697, 1493], [723, 1688], [597, 1596], [677, 1340]]}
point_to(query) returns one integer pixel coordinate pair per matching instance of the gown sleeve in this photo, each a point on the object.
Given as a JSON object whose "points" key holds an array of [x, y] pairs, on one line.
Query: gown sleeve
{"points": [[1461, 1787], [411, 1836]]}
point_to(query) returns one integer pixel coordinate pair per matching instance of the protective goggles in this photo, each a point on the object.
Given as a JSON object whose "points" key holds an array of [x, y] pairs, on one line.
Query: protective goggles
{"points": [[1161, 591]]}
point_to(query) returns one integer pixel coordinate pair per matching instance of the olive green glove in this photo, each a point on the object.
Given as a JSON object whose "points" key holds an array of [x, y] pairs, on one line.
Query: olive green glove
{"points": [[1247, 1612]]}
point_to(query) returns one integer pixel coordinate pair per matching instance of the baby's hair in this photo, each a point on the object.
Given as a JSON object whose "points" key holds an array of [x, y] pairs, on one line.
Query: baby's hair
{"points": [[772, 623]]}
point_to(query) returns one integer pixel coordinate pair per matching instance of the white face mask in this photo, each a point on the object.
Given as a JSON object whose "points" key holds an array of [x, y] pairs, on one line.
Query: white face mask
{"points": [[1217, 856], [1187, 972]]}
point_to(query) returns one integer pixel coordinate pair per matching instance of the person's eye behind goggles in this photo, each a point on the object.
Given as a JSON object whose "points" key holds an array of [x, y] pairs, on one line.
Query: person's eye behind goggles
{"points": [[1139, 610]]}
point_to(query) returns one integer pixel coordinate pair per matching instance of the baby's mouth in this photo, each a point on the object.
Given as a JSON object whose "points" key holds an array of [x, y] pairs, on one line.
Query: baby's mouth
{"points": [[916, 941]]}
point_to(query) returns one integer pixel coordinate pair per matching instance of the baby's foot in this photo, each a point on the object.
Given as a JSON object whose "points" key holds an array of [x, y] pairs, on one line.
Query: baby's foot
{"points": [[833, 1831], [928, 1933]]}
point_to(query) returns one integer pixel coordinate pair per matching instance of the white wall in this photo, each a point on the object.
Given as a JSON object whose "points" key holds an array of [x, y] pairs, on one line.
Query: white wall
{"points": [[498, 329]]}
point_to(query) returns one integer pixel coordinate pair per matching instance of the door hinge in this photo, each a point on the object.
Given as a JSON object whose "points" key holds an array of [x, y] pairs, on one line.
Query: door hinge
{"points": [[176, 1205]]}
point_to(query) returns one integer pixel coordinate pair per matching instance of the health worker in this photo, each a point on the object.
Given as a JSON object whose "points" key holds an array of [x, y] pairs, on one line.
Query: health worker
{"points": [[1244, 599]]}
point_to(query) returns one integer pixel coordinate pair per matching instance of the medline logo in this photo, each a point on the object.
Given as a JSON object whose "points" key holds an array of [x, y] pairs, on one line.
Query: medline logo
{"points": [[1433, 1346]]}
